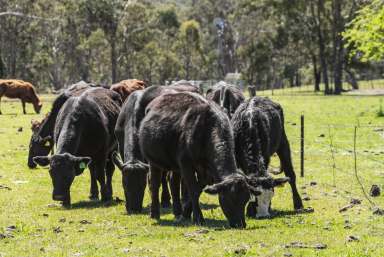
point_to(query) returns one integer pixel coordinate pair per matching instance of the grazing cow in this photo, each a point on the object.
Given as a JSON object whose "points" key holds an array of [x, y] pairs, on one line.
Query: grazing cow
{"points": [[229, 97], [127, 87], [23, 90], [41, 142], [134, 167], [84, 135], [185, 133], [259, 132]]}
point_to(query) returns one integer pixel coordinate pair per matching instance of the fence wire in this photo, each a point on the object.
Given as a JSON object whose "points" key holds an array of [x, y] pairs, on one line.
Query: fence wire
{"points": [[334, 151]]}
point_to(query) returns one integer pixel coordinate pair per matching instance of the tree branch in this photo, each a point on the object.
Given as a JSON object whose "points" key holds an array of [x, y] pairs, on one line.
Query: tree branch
{"points": [[27, 16]]}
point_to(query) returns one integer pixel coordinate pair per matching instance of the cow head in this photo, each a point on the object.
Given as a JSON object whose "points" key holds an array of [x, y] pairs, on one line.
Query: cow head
{"points": [[38, 146], [38, 107], [266, 186], [63, 170], [134, 178], [234, 193]]}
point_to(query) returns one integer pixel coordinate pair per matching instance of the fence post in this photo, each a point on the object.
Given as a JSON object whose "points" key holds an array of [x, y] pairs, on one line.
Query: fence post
{"points": [[302, 146]]}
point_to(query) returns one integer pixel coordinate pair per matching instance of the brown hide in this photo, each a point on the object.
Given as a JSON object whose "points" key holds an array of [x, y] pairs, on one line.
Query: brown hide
{"points": [[127, 87]]}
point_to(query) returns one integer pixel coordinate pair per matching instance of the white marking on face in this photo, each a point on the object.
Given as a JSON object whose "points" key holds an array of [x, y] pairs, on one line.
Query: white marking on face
{"points": [[263, 202]]}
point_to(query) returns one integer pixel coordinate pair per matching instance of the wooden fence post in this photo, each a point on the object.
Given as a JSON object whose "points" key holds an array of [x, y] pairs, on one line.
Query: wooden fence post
{"points": [[302, 146]]}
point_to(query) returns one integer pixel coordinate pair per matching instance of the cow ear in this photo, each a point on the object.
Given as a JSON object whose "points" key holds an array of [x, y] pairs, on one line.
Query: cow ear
{"points": [[216, 188], [42, 160], [280, 181], [82, 162]]}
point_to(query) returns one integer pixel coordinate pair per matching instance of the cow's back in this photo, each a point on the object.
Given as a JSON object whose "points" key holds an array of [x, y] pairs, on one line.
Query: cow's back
{"points": [[14, 88], [94, 113], [174, 120]]}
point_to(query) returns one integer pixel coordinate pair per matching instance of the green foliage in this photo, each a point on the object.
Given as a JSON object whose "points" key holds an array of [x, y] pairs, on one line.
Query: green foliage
{"points": [[56, 43], [366, 32], [190, 33]]}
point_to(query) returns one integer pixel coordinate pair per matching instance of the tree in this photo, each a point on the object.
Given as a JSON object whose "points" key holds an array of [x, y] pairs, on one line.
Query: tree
{"points": [[365, 34], [106, 15], [189, 45]]}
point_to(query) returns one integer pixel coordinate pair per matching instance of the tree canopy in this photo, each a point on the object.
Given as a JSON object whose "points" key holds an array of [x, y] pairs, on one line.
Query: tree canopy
{"points": [[272, 44], [366, 32]]}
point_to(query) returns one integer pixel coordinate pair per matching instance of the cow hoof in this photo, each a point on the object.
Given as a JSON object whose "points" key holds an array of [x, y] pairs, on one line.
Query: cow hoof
{"points": [[67, 205], [155, 215], [93, 198], [298, 206], [261, 217], [106, 198], [199, 222], [180, 219], [166, 204]]}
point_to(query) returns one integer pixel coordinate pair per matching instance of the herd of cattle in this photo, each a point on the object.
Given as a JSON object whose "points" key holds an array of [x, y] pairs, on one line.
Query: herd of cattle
{"points": [[220, 144]]}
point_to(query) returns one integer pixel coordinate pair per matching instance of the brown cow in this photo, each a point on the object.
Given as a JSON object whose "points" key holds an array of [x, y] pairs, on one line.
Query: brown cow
{"points": [[23, 90], [127, 87]]}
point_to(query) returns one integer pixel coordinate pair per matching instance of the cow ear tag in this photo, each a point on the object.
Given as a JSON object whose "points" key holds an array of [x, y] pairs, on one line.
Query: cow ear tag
{"points": [[47, 144], [83, 165]]}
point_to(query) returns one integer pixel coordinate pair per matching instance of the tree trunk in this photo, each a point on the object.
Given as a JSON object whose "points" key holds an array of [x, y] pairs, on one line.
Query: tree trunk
{"points": [[297, 79], [113, 59], [352, 79], [323, 61], [316, 73], [2, 67], [338, 46]]}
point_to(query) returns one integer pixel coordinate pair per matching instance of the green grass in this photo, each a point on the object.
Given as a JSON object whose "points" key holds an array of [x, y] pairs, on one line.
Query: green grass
{"points": [[309, 89], [28, 205]]}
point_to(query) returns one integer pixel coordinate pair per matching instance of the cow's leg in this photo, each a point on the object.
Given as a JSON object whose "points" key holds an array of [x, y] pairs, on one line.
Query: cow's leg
{"points": [[0, 106], [186, 202], [165, 196], [194, 192], [284, 153], [109, 170], [99, 167], [23, 104], [155, 180], [251, 209], [175, 190], [94, 192]]}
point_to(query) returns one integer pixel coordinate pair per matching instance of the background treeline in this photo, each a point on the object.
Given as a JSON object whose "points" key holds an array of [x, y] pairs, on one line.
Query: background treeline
{"points": [[272, 43]]}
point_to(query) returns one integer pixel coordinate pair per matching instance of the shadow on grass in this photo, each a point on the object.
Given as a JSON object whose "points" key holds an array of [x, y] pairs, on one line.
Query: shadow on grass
{"points": [[169, 210], [93, 204], [209, 223], [284, 213]]}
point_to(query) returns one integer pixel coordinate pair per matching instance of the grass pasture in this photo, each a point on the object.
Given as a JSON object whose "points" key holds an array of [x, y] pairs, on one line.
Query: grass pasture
{"points": [[34, 225]]}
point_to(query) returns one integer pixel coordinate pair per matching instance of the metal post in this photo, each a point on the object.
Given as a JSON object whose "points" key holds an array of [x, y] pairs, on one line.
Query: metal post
{"points": [[302, 146]]}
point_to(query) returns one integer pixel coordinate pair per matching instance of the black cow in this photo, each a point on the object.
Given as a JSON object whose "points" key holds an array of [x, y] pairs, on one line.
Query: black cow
{"points": [[84, 134], [185, 133], [259, 132], [134, 169], [229, 97], [41, 142]]}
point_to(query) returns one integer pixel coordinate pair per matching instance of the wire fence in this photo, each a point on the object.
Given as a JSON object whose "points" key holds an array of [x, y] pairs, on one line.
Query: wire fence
{"points": [[366, 87], [349, 156]]}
